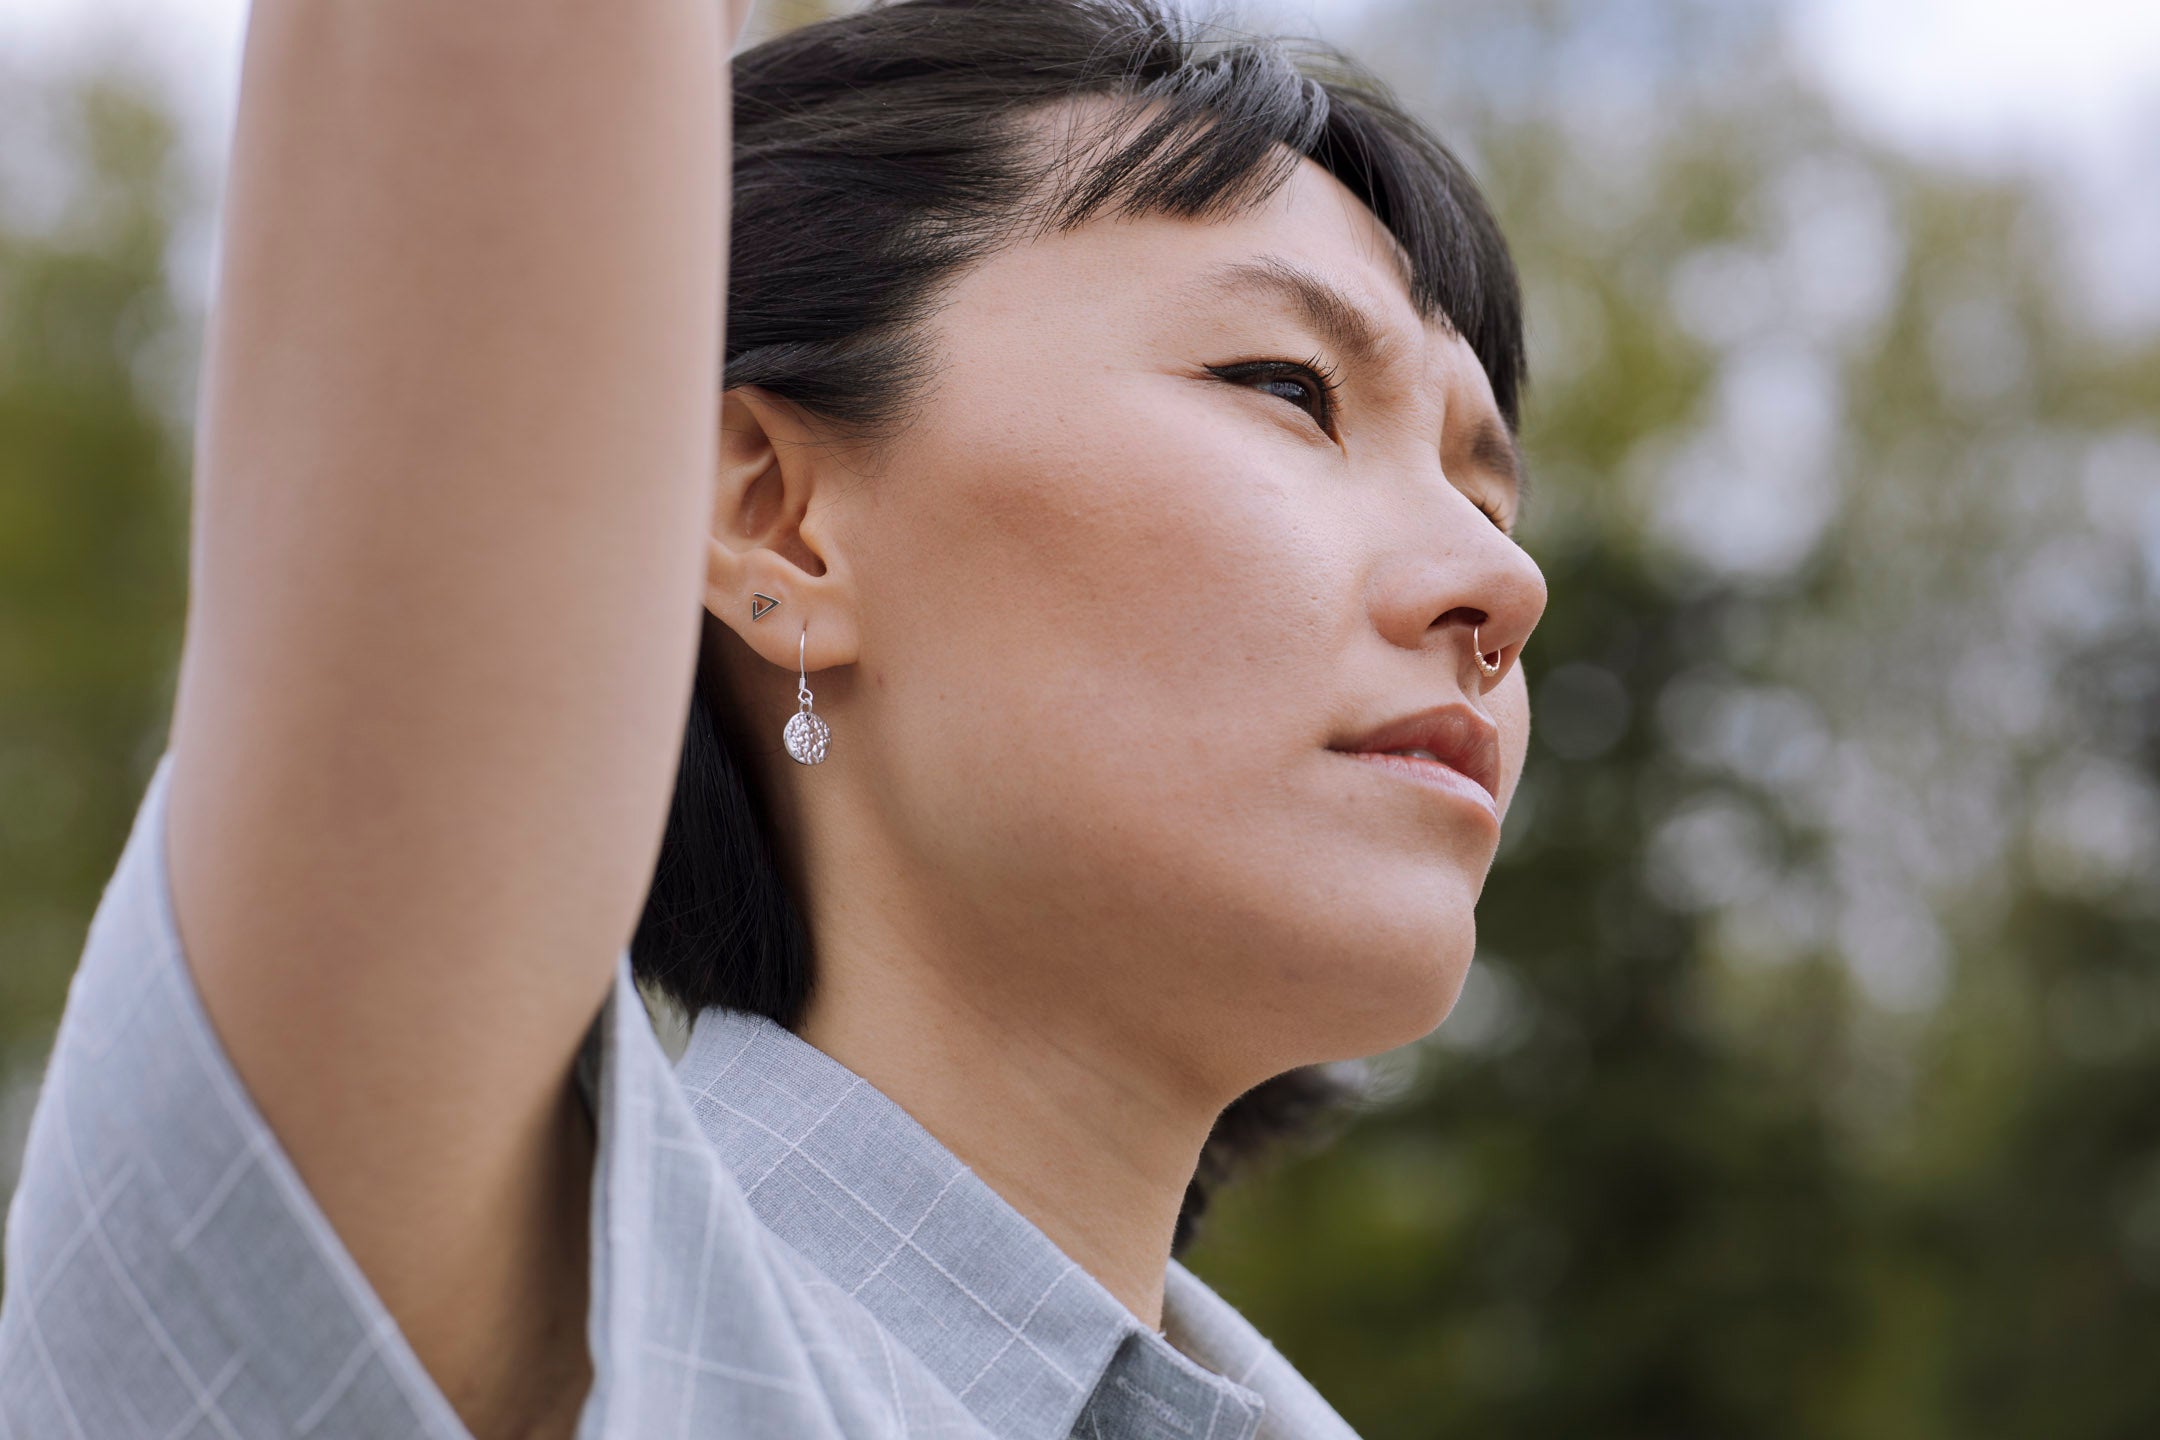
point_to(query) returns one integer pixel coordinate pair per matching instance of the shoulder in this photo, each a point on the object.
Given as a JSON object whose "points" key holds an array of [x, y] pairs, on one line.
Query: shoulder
{"points": [[165, 1263]]}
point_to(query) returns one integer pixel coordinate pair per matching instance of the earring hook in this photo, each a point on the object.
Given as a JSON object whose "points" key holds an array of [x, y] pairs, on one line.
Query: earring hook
{"points": [[805, 734]]}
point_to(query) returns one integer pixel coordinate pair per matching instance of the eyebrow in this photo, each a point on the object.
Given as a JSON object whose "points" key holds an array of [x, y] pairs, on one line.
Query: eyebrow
{"points": [[1339, 319], [1346, 327]]}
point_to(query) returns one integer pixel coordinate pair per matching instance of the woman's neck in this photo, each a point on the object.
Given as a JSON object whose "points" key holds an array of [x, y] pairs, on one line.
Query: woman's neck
{"points": [[1057, 1107]]}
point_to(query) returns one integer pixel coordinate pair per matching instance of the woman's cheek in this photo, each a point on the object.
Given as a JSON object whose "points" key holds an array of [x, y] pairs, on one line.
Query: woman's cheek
{"points": [[1511, 712]]}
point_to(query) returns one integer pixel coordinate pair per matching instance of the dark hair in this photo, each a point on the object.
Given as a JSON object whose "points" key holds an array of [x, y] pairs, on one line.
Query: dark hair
{"points": [[879, 154]]}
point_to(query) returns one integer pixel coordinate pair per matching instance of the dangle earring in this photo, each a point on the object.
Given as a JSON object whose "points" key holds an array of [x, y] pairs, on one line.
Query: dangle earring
{"points": [[806, 734], [1492, 669]]}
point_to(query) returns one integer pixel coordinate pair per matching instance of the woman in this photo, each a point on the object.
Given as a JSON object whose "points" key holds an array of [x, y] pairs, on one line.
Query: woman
{"points": [[1095, 611]]}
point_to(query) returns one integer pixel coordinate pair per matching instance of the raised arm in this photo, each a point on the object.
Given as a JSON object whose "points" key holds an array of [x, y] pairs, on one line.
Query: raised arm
{"points": [[451, 492]]}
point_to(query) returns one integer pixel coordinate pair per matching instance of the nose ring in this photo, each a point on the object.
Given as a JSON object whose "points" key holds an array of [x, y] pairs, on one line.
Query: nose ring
{"points": [[1489, 669]]}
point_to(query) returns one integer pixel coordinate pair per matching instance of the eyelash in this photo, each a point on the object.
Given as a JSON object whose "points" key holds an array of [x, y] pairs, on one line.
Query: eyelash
{"points": [[1315, 374], [1320, 378]]}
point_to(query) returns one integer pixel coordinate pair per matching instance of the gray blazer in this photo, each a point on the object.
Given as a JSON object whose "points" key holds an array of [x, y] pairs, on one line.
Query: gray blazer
{"points": [[778, 1250]]}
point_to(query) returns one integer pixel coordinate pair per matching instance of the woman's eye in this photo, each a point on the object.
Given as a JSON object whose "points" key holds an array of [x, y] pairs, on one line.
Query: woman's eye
{"points": [[1307, 385], [1296, 391]]}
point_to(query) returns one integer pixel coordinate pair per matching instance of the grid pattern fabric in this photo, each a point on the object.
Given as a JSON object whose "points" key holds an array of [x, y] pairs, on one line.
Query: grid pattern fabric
{"points": [[778, 1250]]}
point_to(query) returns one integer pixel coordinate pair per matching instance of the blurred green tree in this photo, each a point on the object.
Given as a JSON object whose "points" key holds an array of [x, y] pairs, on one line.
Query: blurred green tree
{"points": [[1805, 1081], [93, 356]]}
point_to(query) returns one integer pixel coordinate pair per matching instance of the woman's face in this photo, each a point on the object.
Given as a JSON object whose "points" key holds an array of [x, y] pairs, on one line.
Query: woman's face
{"points": [[1123, 598]]}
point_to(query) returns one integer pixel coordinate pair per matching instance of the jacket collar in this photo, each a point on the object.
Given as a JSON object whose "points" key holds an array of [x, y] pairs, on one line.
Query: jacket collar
{"points": [[1025, 1338]]}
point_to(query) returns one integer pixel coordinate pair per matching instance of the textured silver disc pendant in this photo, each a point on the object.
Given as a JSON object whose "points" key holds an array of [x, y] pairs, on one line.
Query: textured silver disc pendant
{"points": [[805, 737]]}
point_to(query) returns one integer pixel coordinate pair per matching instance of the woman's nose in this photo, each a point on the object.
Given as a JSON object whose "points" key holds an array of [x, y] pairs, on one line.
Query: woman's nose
{"points": [[1473, 592]]}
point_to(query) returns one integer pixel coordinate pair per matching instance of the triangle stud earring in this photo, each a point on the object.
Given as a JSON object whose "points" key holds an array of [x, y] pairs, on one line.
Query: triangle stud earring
{"points": [[757, 610]]}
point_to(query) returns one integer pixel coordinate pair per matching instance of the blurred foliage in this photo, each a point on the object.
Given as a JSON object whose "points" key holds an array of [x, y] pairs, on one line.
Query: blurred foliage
{"points": [[92, 526], [1808, 1081]]}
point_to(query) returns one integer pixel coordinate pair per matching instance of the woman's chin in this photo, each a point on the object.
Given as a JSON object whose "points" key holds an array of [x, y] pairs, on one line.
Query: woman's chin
{"points": [[1391, 989]]}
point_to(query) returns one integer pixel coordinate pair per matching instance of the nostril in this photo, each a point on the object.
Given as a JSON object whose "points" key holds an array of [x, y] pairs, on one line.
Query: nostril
{"points": [[1463, 615]]}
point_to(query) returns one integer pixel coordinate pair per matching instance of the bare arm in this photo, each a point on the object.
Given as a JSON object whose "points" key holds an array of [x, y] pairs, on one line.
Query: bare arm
{"points": [[451, 488]]}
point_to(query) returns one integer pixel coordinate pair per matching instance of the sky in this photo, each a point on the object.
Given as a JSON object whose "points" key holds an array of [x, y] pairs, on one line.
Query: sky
{"points": [[1991, 80], [2069, 88], [1974, 80]]}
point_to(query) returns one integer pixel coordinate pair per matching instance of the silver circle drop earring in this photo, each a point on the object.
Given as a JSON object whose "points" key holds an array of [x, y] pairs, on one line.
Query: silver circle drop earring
{"points": [[806, 734]]}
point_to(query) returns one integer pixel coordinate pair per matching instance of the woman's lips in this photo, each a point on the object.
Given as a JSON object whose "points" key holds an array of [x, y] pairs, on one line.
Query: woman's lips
{"points": [[1457, 735], [1434, 775]]}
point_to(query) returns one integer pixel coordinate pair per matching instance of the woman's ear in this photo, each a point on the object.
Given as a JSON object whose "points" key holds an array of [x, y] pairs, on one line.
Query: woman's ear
{"points": [[768, 539]]}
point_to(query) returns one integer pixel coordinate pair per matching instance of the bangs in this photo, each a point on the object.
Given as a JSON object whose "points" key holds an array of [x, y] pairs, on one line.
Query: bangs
{"points": [[880, 153], [1209, 139]]}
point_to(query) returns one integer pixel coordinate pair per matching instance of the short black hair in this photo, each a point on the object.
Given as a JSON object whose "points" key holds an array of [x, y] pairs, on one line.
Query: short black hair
{"points": [[879, 154]]}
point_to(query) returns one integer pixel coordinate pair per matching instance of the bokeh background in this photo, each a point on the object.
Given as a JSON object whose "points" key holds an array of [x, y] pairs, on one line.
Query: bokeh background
{"points": [[1808, 1079]]}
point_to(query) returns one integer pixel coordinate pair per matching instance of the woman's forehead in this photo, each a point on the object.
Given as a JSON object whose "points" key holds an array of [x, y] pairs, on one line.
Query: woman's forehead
{"points": [[1311, 228], [1310, 253]]}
